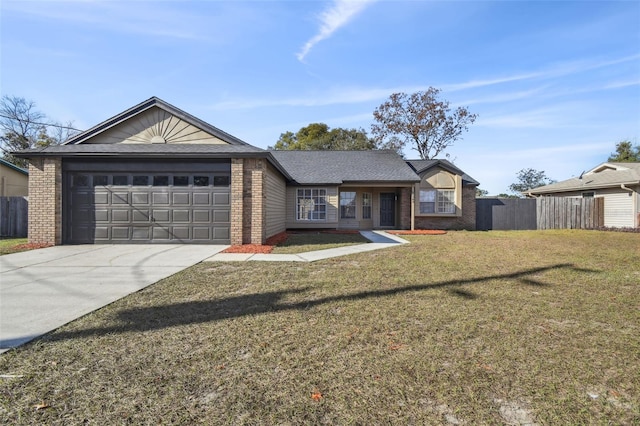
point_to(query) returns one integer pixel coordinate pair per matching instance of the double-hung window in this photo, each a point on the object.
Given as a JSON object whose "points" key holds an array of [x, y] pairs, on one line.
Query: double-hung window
{"points": [[311, 204], [347, 205], [366, 205], [437, 201]]}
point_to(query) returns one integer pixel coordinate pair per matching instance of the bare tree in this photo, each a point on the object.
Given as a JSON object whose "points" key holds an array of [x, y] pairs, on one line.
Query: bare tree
{"points": [[22, 126], [420, 119]]}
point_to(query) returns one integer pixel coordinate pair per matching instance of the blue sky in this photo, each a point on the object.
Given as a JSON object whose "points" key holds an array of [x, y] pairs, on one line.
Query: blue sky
{"points": [[555, 84]]}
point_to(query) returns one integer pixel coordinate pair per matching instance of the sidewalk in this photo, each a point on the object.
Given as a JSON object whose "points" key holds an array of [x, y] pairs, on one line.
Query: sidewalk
{"points": [[379, 240]]}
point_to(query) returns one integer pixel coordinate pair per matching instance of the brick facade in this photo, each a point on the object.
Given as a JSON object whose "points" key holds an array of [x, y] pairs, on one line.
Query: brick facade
{"points": [[466, 221], [248, 213], [405, 208], [45, 201]]}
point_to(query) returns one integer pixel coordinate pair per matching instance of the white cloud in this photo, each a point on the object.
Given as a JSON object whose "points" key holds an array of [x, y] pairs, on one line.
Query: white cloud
{"points": [[338, 15]]}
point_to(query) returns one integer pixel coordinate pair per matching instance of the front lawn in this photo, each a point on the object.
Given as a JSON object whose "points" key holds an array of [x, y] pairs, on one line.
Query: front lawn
{"points": [[463, 328], [311, 241]]}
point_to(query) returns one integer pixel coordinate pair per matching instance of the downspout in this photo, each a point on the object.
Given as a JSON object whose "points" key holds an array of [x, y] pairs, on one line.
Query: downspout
{"points": [[626, 188]]}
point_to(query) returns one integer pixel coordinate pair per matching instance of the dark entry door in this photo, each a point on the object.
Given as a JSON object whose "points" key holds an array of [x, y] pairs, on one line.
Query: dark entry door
{"points": [[387, 209]]}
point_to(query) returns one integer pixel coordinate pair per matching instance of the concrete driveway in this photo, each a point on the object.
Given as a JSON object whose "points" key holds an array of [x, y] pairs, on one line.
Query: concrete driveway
{"points": [[40, 290]]}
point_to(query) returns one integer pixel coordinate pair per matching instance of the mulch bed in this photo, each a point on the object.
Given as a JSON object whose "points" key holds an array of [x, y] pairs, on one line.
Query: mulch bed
{"points": [[32, 246], [259, 248], [419, 232]]}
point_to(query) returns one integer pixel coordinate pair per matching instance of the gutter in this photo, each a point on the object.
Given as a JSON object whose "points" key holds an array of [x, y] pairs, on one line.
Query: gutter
{"points": [[626, 188]]}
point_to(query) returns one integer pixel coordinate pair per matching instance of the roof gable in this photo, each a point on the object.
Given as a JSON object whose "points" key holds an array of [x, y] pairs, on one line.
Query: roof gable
{"points": [[423, 166], [154, 121], [340, 167]]}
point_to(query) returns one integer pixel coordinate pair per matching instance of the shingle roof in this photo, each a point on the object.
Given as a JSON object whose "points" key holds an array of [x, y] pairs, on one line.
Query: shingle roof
{"points": [[605, 175], [143, 149], [339, 167], [421, 166]]}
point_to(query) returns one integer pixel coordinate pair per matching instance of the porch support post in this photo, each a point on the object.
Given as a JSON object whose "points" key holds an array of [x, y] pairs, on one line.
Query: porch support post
{"points": [[413, 208]]}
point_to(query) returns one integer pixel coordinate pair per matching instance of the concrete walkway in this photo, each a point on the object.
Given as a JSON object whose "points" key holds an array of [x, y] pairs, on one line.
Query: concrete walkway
{"points": [[41, 290], [379, 240]]}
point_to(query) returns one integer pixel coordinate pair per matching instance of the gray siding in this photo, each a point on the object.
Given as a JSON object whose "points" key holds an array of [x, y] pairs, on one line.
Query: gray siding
{"points": [[276, 191]]}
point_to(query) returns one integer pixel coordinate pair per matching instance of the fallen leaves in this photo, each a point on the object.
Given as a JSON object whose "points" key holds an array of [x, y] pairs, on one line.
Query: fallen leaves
{"points": [[42, 406]]}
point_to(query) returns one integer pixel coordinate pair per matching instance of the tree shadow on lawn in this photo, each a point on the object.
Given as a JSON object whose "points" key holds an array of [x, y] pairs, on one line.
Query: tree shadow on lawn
{"points": [[198, 312]]}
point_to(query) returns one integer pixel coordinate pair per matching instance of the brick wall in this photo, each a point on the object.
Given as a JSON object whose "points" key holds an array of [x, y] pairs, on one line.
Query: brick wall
{"points": [[237, 204], [45, 201], [248, 212], [466, 221], [405, 208]]}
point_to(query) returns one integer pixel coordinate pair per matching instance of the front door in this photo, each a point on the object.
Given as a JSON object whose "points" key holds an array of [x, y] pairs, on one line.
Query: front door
{"points": [[387, 209]]}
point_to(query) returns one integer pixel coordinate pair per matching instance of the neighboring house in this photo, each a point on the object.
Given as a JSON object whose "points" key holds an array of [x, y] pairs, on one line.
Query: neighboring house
{"points": [[155, 174], [617, 183], [14, 181]]}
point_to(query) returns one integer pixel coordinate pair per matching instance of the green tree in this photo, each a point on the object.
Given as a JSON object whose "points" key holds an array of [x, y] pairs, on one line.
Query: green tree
{"points": [[318, 136], [22, 126], [626, 153], [481, 192], [529, 179], [422, 120]]}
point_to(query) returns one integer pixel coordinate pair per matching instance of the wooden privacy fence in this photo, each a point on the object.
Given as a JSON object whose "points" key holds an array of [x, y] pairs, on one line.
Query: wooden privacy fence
{"points": [[570, 213], [13, 216]]}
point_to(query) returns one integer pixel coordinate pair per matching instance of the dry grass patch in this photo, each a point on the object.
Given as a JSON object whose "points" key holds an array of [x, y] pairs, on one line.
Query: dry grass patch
{"points": [[463, 328]]}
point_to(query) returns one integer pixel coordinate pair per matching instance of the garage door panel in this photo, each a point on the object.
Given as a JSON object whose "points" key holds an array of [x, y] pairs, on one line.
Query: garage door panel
{"points": [[221, 233], [141, 208], [141, 233], [201, 233], [181, 216], [120, 232], [102, 233], [201, 199], [201, 216], [101, 198], [100, 215], [221, 216], [180, 198], [160, 198], [221, 199], [161, 215], [140, 215], [120, 216], [120, 198], [140, 198], [181, 232]]}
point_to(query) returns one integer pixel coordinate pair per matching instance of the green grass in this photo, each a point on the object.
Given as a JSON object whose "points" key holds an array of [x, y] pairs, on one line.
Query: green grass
{"points": [[308, 241], [9, 245], [475, 328]]}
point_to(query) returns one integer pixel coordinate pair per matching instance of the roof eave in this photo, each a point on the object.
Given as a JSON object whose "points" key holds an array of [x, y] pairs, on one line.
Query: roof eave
{"points": [[583, 188]]}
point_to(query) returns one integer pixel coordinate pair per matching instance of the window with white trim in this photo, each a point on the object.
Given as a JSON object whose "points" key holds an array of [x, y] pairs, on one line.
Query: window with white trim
{"points": [[437, 193], [437, 201], [366, 205], [347, 205], [311, 204]]}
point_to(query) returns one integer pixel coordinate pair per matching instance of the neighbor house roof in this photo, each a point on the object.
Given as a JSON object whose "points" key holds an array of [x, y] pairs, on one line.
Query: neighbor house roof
{"points": [[421, 166], [154, 102], [606, 175], [14, 167], [342, 167]]}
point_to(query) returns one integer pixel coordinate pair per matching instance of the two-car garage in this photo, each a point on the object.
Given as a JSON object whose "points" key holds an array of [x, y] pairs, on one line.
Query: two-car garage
{"points": [[129, 201]]}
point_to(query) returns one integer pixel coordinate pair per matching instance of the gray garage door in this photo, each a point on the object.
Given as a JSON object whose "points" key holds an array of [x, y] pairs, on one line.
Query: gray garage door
{"points": [[114, 206]]}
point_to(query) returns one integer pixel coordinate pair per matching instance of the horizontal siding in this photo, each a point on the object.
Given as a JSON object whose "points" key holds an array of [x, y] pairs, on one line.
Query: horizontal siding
{"points": [[618, 208], [332, 210], [276, 202]]}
